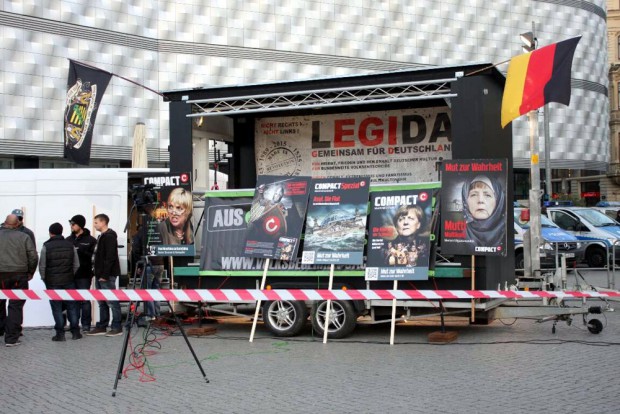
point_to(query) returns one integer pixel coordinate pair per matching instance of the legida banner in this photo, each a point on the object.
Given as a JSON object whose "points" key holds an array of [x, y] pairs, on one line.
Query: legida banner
{"points": [[395, 146], [336, 221], [169, 231], [86, 87], [473, 207], [277, 217], [399, 235]]}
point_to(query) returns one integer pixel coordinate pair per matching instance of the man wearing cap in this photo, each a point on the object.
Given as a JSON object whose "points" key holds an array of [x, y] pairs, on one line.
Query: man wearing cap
{"points": [[20, 215], [18, 262], [85, 245], [58, 264]]}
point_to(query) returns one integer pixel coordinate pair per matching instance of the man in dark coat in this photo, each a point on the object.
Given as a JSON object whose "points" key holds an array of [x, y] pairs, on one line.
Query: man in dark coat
{"points": [[58, 264], [107, 270], [18, 262], [85, 245]]}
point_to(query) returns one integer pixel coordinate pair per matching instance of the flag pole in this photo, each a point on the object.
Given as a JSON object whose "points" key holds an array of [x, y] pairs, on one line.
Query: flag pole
{"points": [[118, 76]]}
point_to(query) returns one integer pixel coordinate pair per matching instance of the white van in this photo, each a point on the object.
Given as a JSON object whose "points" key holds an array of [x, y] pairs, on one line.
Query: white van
{"points": [[589, 225]]}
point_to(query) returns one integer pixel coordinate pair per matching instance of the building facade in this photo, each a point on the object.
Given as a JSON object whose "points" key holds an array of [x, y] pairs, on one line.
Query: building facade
{"points": [[176, 44]]}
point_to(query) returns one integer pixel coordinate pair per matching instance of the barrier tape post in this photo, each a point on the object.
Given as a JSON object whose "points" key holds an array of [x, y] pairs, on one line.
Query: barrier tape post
{"points": [[258, 303], [393, 324], [329, 303]]}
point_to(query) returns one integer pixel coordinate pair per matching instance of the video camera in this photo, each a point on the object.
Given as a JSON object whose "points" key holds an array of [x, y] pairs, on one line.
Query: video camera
{"points": [[143, 194]]}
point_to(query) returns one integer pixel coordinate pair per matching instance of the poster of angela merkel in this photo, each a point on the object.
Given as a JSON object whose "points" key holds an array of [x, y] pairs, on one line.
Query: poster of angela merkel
{"points": [[473, 207]]}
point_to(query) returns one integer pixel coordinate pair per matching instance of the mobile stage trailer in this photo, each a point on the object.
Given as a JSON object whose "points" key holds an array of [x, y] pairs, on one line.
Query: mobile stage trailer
{"points": [[457, 107]]}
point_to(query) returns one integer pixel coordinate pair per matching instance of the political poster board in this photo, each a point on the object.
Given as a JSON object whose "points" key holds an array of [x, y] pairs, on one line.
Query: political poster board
{"points": [[336, 221], [473, 207], [399, 234], [276, 217], [169, 228]]}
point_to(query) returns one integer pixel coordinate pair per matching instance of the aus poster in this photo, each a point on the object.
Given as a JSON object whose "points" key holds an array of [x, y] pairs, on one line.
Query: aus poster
{"points": [[336, 222], [277, 217], [167, 200], [473, 207], [399, 235]]}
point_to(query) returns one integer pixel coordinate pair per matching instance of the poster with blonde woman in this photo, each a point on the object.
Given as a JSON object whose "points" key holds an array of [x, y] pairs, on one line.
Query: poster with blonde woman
{"points": [[473, 207], [170, 231]]}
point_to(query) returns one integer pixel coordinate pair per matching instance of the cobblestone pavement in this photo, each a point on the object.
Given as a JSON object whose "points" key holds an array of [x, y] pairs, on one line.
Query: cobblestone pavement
{"points": [[493, 368]]}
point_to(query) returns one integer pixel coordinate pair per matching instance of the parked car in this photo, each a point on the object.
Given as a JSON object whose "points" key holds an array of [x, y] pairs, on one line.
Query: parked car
{"points": [[556, 242], [589, 225], [610, 208]]}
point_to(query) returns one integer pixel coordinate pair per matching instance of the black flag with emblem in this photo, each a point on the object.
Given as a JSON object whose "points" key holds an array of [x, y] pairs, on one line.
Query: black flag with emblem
{"points": [[86, 87]]}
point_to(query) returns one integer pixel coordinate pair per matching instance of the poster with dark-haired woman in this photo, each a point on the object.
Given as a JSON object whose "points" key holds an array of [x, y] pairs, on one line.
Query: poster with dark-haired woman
{"points": [[473, 207], [399, 234]]}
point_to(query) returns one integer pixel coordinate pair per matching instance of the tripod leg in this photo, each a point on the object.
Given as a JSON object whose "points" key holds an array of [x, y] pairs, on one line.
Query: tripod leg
{"points": [[178, 322], [121, 362]]}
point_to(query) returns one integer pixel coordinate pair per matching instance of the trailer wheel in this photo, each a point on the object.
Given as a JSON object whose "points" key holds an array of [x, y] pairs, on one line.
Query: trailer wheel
{"points": [[596, 256], [595, 326], [342, 318], [520, 262], [283, 317]]}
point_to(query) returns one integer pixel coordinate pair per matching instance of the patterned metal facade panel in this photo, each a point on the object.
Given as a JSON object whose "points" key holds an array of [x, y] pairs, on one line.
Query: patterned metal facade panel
{"points": [[168, 44]]}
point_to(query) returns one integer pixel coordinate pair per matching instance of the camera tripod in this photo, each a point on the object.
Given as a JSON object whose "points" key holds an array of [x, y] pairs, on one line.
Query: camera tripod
{"points": [[133, 306], [131, 319]]}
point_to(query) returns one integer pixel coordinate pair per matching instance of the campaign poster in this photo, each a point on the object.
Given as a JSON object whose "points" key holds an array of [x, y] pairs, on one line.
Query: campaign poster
{"points": [[167, 200], [395, 146], [336, 222], [473, 207], [399, 235], [276, 217]]}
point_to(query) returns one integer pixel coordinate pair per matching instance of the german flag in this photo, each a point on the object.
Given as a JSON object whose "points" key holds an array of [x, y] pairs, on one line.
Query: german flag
{"points": [[537, 78]]}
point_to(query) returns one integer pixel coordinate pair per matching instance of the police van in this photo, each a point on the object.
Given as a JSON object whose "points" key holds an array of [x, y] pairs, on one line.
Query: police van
{"points": [[556, 242], [599, 231]]}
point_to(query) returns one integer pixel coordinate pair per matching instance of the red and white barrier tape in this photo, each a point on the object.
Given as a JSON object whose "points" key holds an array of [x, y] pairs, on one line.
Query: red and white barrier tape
{"points": [[248, 295]]}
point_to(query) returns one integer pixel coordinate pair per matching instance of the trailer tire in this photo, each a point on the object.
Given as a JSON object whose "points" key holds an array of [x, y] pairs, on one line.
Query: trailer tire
{"points": [[285, 318], [520, 261], [342, 316], [596, 256], [595, 326]]}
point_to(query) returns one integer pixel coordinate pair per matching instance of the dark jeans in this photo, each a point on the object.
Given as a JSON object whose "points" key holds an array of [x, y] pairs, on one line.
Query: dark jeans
{"points": [[11, 323], [153, 275], [84, 308], [106, 306], [72, 311]]}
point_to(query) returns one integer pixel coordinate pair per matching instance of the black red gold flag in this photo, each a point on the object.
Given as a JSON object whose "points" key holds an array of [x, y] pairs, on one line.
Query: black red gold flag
{"points": [[537, 78]]}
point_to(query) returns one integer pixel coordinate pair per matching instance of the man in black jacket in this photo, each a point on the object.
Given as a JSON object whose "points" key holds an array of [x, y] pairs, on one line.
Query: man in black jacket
{"points": [[107, 270], [85, 245], [57, 266]]}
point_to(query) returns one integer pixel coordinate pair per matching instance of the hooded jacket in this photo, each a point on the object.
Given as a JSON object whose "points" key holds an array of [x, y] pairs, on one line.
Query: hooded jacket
{"points": [[107, 263], [85, 245]]}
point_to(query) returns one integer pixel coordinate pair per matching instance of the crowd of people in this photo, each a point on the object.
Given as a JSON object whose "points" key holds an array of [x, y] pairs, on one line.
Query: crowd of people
{"points": [[64, 263]]}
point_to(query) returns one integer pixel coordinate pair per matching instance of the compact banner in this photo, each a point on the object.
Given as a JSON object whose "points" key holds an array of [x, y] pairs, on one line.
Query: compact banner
{"points": [[277, 217], [169, 230], [336, 221], [399, 234], [473, 207], [86, 87]]}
